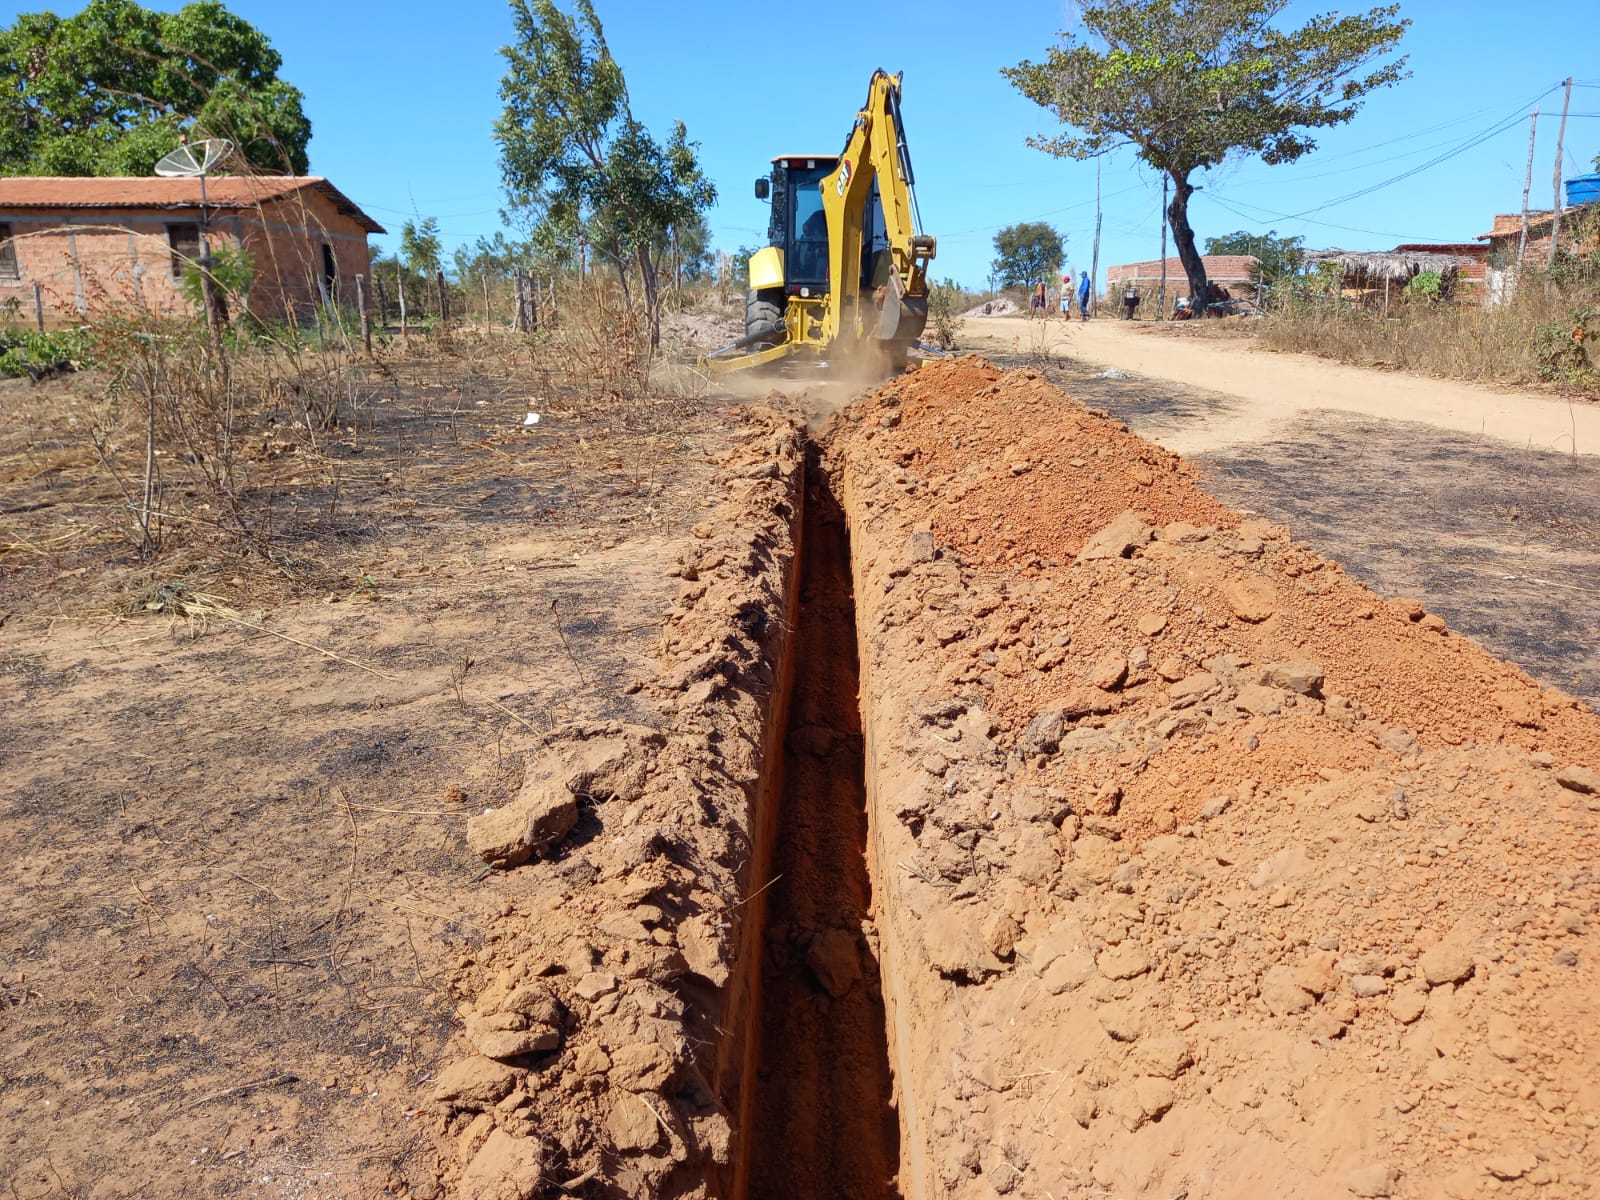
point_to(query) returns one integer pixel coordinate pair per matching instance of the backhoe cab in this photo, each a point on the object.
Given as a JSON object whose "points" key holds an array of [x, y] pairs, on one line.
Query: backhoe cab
{"points": [[844, 278]]}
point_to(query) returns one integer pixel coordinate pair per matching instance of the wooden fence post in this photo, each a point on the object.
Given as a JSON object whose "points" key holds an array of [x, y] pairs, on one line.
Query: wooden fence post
{"points": [[366, 317], [383, 302], [444, 303], [400, 287], [38, 304]]}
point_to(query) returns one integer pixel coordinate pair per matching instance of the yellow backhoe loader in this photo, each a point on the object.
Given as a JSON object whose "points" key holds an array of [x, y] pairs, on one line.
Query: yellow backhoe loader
{"points": [[844, 282]]}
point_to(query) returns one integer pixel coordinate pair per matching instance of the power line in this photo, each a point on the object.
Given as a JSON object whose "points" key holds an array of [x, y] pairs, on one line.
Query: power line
{"points": [[1505, 123]]}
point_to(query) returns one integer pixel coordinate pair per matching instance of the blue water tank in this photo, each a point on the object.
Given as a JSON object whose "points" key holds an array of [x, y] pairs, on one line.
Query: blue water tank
{"points": [[1583, 189]]}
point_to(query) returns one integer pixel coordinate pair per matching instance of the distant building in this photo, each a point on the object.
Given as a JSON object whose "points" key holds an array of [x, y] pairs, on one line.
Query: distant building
{"points": [[1502, 241], [1236, 272], [97, 244], [1379, 277]]}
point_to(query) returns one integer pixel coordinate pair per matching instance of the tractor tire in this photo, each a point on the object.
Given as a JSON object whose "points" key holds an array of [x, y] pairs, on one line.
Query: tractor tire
{"points": [[763, 317]]}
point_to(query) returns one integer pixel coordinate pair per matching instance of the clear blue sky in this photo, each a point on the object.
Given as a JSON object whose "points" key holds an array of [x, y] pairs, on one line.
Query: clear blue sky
{"points": [[402, 95]]}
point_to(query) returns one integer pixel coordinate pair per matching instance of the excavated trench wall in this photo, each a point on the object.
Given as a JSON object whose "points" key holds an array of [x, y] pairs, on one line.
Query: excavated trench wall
{"points": [[1019, 820]]}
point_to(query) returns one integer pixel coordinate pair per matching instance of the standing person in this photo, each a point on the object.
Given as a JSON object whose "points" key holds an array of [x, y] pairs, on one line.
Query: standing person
{"points": [[1066, 296], [1130, 301], [1037, 308], [1084, 289]]}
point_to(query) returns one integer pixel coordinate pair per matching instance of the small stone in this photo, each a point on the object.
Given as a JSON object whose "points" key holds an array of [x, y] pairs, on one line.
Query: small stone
{"points": [[596, 984], [540, 816], [1152, 623], [505, 1168], [1000, 934], [632, 1126], [1127, 961], [1296, 675], [1566, 958], [1215, 807], [1371, 1179], [1315, 973], [1448, 962], [508, 1035], [1407, 1004], [1368, 986], [474, 1082], [835, 959], [1151, 1099], [919, 548], [1172, 668], [1043, 734], [1399, 741], [1262, 701], [1579, 779], [1126, 533], [1519, 707], [1108, 672], [1281, 994], [1251, 600], [641, 1066], [1193, 687], [1166, 1056]]}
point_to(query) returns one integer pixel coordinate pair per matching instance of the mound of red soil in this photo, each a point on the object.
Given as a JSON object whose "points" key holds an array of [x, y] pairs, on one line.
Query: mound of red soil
{"points": [[1200, 867]]}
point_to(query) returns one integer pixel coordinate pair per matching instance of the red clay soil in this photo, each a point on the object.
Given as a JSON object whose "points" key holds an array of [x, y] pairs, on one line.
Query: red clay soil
{"points": [[604, 1028], [1200, 868]]}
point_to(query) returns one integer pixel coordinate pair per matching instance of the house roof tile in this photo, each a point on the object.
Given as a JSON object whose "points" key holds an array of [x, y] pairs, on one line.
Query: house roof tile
{"points": [[224, 191]]}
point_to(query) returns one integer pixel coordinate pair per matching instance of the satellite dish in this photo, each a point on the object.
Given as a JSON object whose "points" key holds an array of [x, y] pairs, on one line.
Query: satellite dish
{"points": [[194, 158]]}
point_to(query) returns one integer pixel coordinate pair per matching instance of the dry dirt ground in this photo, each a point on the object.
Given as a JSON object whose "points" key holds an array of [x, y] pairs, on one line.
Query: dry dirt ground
{"points": [[1392, 475], [234, 781], [1108, 888]]}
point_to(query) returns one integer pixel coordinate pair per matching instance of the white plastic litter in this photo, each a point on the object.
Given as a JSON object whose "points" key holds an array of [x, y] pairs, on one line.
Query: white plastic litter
{"points": [[531, 419]]}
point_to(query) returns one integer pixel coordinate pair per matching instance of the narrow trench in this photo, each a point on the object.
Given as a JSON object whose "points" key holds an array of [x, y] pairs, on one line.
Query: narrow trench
{"points": [[823, 1121]]}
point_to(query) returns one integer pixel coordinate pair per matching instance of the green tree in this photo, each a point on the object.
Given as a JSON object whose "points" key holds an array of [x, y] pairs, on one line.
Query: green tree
{"points": [[1190, 82], [419, 246], [571, 150], [112, 89], [1279, 258], [1026, 253]]}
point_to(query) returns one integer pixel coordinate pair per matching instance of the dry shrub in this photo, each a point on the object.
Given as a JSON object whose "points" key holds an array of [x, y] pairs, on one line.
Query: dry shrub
{"points": [[1546, 331], [178, 431]]}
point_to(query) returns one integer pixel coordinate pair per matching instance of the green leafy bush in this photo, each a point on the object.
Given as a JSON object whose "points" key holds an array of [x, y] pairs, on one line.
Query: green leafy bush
{"points": [[24, 348], [1425, 285], [231, 270]]}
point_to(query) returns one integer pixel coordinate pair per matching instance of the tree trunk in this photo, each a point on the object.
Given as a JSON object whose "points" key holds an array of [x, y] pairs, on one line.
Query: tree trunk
{"points": [[1183, 241], [652, 305]]}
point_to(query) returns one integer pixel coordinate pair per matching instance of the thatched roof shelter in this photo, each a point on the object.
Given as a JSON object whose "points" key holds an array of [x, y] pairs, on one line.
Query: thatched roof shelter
{"points": [[1374, 268]]}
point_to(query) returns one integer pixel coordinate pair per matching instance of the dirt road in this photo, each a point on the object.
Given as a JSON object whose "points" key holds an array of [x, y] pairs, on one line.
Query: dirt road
{"points": [[1266, 389]]}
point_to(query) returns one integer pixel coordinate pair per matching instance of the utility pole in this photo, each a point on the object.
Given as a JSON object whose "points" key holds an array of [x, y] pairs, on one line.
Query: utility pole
{"points": [[1161, 293], [1527, 185], [1094, 266], [1561, 133]]}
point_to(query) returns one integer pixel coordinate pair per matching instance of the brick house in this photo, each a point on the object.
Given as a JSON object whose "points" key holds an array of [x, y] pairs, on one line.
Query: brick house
{"points": [[97, 244], [1236, 272]]}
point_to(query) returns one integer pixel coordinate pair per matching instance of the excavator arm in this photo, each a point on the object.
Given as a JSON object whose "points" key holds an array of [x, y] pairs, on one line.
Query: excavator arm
{"points": [[895, 307]]}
